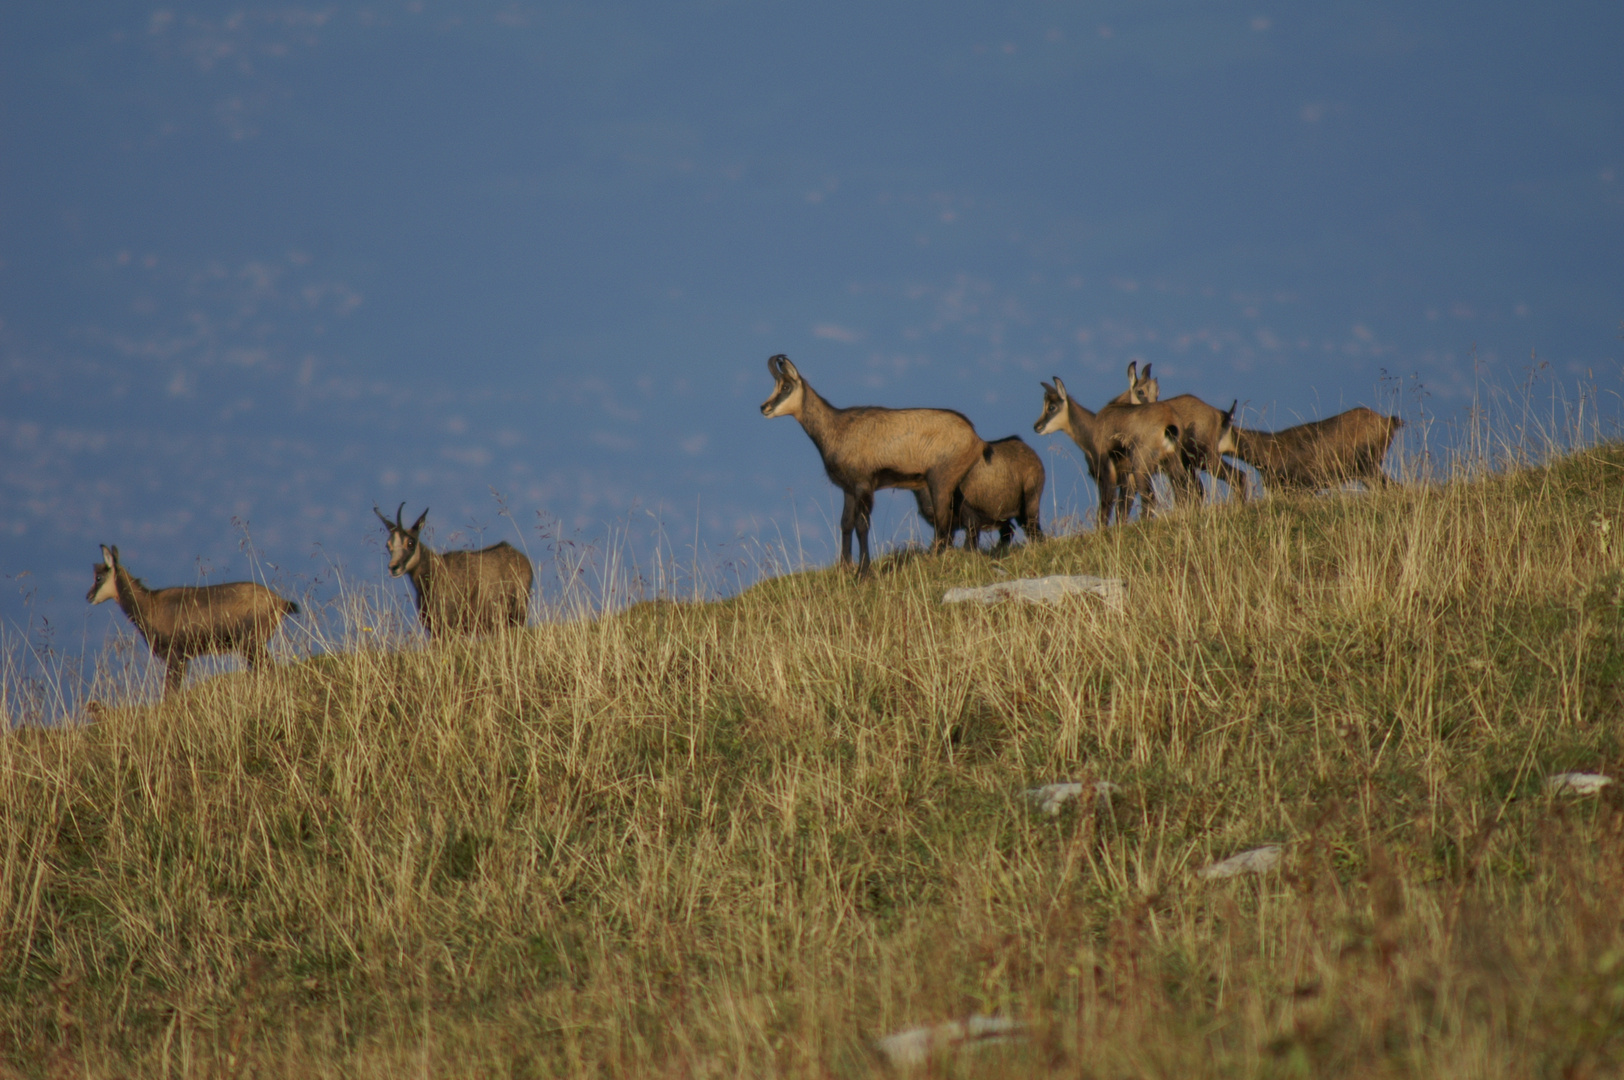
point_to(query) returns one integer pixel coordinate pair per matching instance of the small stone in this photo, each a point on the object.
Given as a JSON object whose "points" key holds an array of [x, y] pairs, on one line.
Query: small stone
{"points": [[1257, 861], [1577, 783], [1044, 590], [917, 1046]]}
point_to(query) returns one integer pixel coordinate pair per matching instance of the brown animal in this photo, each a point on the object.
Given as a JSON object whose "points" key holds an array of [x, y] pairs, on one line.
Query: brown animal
{"points": [[1202, 428], [185, 621], [1124, 444], [866, 448], [997, 493], [1323, 453], [460, 591]]}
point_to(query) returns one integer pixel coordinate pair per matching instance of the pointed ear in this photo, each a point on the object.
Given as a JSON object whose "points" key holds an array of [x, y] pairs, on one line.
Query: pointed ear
{"points": [[1146, 375], [788, 368], [109, 555], [1133, 371], [1229, 417], [386, 522], [418, 524], [1048, 391], [1060, 388]]}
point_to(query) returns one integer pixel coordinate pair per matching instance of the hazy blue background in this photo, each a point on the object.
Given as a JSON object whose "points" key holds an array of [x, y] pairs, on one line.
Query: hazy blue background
{"points": [[270, 264]]}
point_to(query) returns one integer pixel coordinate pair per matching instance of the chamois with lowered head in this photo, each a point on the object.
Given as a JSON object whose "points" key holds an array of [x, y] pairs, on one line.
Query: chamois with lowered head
{"points": [[999, 492], [1322, 453], [184, 621], [459, 591], [1125, 445], [866, 448]]}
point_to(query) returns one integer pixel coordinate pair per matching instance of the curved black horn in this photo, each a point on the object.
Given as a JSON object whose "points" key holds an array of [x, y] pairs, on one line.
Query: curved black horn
{"points": [[381, 518], [398, 509], [775, 364]]}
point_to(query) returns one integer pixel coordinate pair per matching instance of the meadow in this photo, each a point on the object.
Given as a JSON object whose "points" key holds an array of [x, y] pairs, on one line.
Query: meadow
{"points": [[751, 836]]}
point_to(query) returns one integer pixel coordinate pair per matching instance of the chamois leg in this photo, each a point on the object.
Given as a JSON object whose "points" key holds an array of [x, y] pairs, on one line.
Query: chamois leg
{"points": [[174, 674], [848, 522], [865, 510], [945, 500], [1030, 523]]}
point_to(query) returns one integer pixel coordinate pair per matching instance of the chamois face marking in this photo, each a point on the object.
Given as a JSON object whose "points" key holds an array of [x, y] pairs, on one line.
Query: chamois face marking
{"points": [[106, 586], [1142, 389], [1054, 418], [787, 390], [405, 549]]}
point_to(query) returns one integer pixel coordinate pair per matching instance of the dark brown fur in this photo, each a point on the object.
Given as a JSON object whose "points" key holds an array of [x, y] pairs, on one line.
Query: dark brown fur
{"points": [[1001, 492], [1323, 453]]}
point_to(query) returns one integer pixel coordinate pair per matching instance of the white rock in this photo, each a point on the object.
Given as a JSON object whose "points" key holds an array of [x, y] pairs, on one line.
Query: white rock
{"points": [[1257, 861], [1052, 798], [917, 1046], [1044, 590], [1577, 783]]}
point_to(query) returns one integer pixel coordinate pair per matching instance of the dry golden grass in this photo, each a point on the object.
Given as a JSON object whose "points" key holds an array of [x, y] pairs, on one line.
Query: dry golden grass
{"points": [[749, 837]]}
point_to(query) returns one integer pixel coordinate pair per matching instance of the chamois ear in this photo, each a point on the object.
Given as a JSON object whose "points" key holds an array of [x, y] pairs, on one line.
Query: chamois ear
{"points": [[386, 522], [1146, 375], [109, 555], [1229, 417], [418, 524], [788, 369], [1133, 371], [1060, 388], [1048, 391]]}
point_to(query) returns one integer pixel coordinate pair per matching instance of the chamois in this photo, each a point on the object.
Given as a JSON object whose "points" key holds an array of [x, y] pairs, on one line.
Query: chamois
{"points": [[1142, 389], [459, 591], [1124, 444], [184, 621], [866, 448], [997, 493], [1322, 453], [1202, 428]]}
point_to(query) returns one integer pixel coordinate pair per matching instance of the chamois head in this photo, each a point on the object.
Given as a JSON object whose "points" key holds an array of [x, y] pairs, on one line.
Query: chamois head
{"points": [[1056, 417], [106, 586], [787, 391], [404, 549], [1228, 441], [1142, 389]]}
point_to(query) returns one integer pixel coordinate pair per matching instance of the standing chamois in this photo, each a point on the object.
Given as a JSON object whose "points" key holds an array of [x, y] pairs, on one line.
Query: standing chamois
{"points": [[1322, 453], [866, 448], [1124, 444], [185, 621], [997, 493], [460, 591], [1205, 434]]}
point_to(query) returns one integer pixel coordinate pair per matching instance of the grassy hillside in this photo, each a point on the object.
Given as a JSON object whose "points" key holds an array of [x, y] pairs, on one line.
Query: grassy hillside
{"points": [[749, 837]]}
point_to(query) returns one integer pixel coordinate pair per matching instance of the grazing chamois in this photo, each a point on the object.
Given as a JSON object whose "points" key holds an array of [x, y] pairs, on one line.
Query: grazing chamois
{"points": [[1124, 444], [1322, 453], [866, 448], [184, 621], [997, 493], [460, 591]]}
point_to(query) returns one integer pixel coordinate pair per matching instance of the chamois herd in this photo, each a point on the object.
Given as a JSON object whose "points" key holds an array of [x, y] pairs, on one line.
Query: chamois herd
{"points": [[959, 480]]}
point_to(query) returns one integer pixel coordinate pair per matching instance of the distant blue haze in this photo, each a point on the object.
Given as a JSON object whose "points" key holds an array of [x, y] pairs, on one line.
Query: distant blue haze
{"points": [[262, 267]]}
